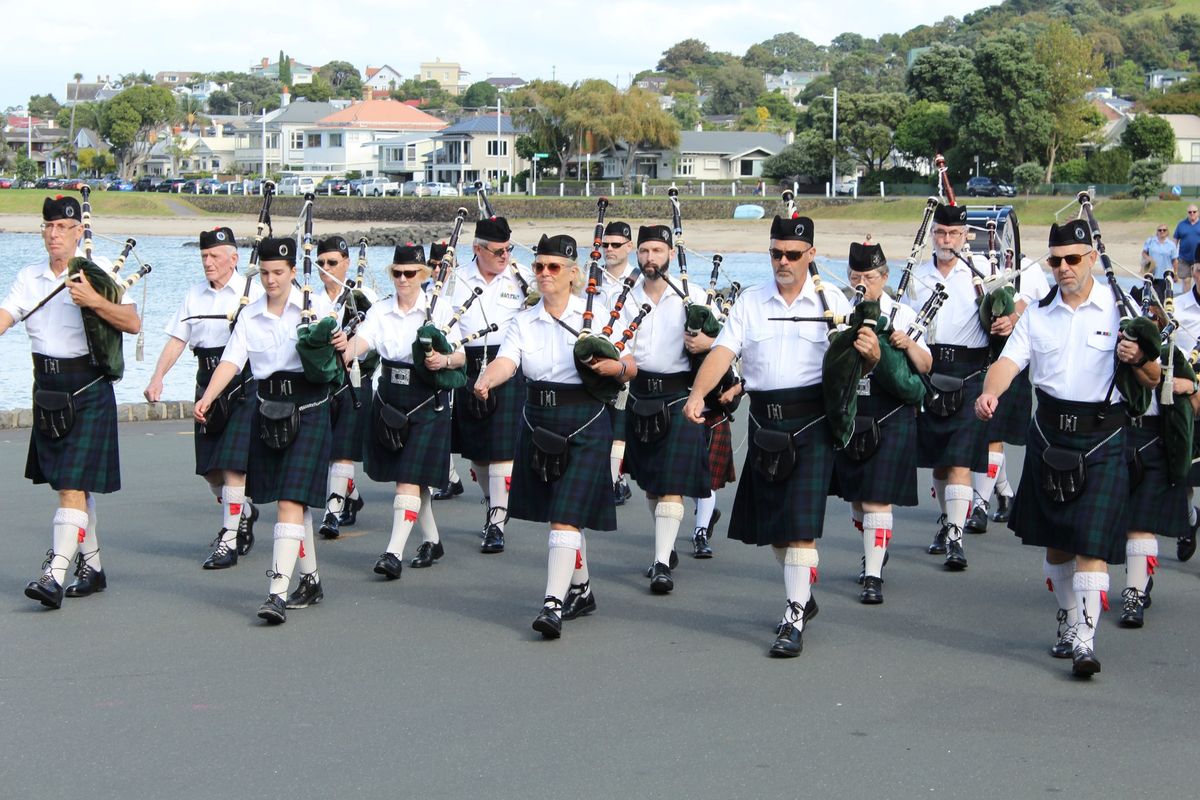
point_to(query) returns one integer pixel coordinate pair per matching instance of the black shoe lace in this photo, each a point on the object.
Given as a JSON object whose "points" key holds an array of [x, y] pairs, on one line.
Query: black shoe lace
{"points": [[578, 590], [701, 535], [796, 612], [953, 533], [552, 603], [1066, 631], [272, 574], [1132, 600], [219, 540]]}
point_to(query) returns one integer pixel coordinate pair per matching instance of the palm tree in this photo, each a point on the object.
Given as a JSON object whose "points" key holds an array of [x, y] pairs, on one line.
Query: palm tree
{"points": [[71, 138]]}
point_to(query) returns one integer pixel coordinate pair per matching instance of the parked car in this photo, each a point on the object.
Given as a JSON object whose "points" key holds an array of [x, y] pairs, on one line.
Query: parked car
{"points": [[983, 186], [233, 187], [409, 188], [296, 184], [147, 183], [6, 183], [376, 187], [121, 185], [472, 189], [438, 189], [202, 186], [46, 182], [335, 186], [171, 185]]}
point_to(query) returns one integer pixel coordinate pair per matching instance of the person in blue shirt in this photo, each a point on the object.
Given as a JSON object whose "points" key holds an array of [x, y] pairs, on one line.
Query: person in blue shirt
{"points": [[1160, 252], [1187, 236]]}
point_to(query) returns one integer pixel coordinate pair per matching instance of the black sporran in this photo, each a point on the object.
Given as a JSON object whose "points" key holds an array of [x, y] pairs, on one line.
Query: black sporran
{"points": [[391, 427], [651, 420], [53, 413], [551, 454], [220, 411], [946, 399], [774, 454], [865, 440], [278, 424], [480, 409], [1064, 473]]}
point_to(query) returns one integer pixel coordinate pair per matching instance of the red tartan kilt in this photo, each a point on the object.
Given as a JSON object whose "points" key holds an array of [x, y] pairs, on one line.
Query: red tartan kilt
{"points": [[720, 450]]}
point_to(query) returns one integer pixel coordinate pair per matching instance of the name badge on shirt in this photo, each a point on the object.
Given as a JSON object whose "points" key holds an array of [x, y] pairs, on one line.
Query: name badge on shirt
{"points": [[510, 295], [864, 387]]}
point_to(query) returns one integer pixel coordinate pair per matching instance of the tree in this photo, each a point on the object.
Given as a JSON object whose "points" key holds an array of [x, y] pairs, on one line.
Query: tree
{"points": [[734, 88], [1127, 79], [679, 58], [1070, 67], [780, 107], [220, 102], [938, 73], [785, 51], [44, 106], [526, 147], [27, 168], [142, 78], [686, 111], [642, 125], [867, 71], [87, 115], [319, 91], [1147, 136], [95, 162], [1028, 175], [810, 156], [343, 77], [132, 116], [285, 69], [925, 130], [430, 94], [177, 150], [480, 94], [1145, 179], [1109, 166], [541, 107], [865, 124]]}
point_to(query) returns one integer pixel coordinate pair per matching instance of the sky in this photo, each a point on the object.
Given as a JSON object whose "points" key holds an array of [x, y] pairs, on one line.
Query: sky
{"points": [[570, 40]]}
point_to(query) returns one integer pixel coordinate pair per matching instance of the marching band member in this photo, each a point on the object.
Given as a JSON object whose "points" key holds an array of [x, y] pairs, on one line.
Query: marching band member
{"points": [[618, 244], [202, 323], [1187, 314]]}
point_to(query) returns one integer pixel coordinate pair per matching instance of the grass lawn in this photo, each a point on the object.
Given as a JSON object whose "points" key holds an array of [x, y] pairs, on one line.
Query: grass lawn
{"points": [[115, 204], [1032, 211]]}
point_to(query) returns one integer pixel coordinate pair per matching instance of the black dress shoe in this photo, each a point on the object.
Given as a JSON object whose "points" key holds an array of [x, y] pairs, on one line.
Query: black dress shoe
{"points": [[87, 580], [938, 547], [619, 497], [389, 566], [581, 600], [672, 563], [309, 592], [1065, 646], [549, 622], [1146, 594], [273, 610], [872, 593], [979, 520], [427, 553], [330, 526], [956, 560], [661, 581], [450, 490], [1185, 546], [350, 510], [1003, 508], [625, 490], [1084, 662], [1133, 607], [222, 557], [493, 540], [788, 643], [46, 591], [700, 545], [245, 532]]}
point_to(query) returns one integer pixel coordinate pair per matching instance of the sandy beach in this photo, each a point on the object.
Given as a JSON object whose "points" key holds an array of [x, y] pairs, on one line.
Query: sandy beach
{"points": [[1123, 239]]}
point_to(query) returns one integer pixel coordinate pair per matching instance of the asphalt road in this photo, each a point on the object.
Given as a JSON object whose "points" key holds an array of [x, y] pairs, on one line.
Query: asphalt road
{"points": [[166, 685]]}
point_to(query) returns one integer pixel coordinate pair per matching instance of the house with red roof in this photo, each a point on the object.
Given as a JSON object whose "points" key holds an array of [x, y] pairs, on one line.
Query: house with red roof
{"points": [[348, 139]]}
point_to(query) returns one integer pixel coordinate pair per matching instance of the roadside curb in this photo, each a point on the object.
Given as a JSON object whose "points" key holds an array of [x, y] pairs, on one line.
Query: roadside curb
{"points": [[126, 412]]}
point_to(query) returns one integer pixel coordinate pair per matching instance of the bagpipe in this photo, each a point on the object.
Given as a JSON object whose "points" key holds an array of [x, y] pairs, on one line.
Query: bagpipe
{"points": [[314, 337], [431, 338], [351, 309], [487, 212], [590, 346], [104, 342]]}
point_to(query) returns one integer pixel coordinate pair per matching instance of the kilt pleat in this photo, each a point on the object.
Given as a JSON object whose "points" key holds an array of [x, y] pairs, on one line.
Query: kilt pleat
{"points": [[676, 464], [960, 440], [88, 458], [720, 450], [890, 475], [1155, 506], [1093, 524], [791, 510], [1011, 421], [298, 473], [229, 449], [1193, 478], [349, 423], [426, 452], [493, 438], [583, 496]]}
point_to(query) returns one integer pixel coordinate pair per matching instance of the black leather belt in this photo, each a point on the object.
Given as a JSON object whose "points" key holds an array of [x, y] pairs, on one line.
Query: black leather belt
{"points": [[765, 410], [954, 353], [648, 383], [552, 397], [292, 386], [1066, 416], [395, 372], [79, 365]]}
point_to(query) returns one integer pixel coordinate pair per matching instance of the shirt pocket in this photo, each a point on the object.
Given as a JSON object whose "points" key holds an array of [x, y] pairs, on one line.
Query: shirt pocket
{"points": [[1100, 341], [1044, 345], [261, 342]]}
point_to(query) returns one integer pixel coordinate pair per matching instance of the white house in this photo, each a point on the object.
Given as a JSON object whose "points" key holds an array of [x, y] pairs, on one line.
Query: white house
{"points": [[346, 140], [284, 129], [701, 156], [470, 150], [381, 80]]}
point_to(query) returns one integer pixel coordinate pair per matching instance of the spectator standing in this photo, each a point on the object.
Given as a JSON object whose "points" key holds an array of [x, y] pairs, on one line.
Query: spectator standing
{"points": [[1160, 251], [1187, 236]]}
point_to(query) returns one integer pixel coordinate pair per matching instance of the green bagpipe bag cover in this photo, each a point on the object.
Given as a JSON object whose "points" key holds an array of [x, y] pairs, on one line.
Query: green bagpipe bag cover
{"points": [[701, 317], [317, 356], [591, 347], [1178, 419], [894, 372], [440, 378], [104, 341], [841, 370], [996, 303], [1145, 332]]}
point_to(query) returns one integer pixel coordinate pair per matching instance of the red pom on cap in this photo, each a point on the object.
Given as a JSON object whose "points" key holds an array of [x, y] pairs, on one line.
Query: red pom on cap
{"points": [[58, 197]]}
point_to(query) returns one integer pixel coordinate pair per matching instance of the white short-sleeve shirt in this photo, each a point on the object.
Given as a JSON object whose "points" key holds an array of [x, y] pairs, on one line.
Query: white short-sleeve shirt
{"points": [[267, 341], [541, 347], [502, 299], [203, 299], [657, 346], [391, 331], [957, 322]]}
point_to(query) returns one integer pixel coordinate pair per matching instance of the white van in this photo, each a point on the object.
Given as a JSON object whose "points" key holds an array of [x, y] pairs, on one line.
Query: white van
{"points": [[295, 185]]}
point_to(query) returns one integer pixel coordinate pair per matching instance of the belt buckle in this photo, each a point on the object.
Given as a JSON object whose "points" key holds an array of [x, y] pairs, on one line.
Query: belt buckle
{"points": [[654, 385], [51, 366], [1068, 423], [947, 355], [285, 387], [774, 411], [548, 398]]}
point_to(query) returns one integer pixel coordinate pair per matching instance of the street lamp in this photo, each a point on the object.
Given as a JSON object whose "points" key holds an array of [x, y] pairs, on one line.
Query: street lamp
{"points": [[833, 168]]}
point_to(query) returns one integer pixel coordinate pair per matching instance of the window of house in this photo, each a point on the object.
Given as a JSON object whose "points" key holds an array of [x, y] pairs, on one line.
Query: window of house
{"points": [[335, 140], [273, 141], [747, 165], [466, 152], [712, 163], [687, 166], [297, 140], [314, 140], [1195, 151], [497, 147], [411, 154]]}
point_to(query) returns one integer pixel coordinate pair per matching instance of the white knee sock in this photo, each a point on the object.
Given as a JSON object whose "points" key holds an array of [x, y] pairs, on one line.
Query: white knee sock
{"points": [[479, 474], [958, 501], [877, 532], [939, 493], [452, 477], [234, 497], [856, 517], [340, 476], [561, 563], [1003, 487], [1191, 508], [1060, 580], [799, 574], [704, 510], [308, 551], [985, 482], [352, 487], [406, 509], [89, 546], [1141, 559], [499, 484], [216, 490], [429, 528], [1090, 588], [615, 457], [70, 529], [667, 517], [581, 575], [289, 538]]}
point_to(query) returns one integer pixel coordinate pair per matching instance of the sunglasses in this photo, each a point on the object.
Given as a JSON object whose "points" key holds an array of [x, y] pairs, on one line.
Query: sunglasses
{"points": [[1162, 230], [1072, 260], [790, 255], [499, 252], [407, 273], [328, 262], [613, 245], [546, 266]]}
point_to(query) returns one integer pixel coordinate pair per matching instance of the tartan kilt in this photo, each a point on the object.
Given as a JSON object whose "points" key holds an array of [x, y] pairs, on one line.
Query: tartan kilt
{"points": [[229, 449], [1093, 524], [350, 424], [423, 459], [299, 473], [583, 496], [889, 476], [1155, 506], [1010, 423], [1193, 478], [494, 438], [960, 440], [677, 463], [777, 514], [86, 459], [720, 449]]}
